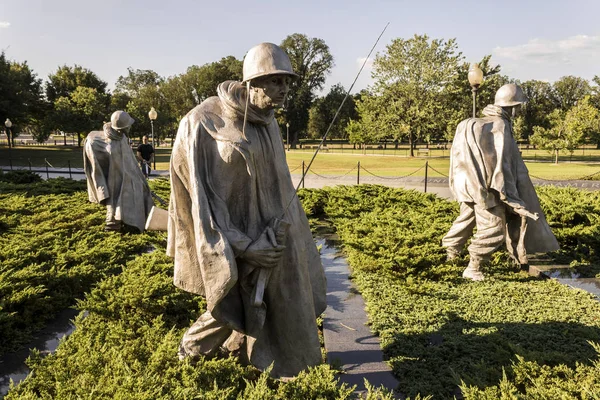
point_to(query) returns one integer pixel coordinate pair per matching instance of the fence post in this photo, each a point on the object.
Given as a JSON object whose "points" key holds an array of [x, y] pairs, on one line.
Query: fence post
{"points": [[10, 162], [426, 167], [69, 163], [358, 174], [302, 174], [29, 161]]}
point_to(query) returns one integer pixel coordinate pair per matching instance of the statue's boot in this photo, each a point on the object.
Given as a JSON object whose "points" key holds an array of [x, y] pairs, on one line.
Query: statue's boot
{"points": [[472, 271]]}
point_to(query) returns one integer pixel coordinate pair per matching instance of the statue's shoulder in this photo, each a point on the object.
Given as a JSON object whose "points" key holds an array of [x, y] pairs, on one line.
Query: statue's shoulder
{"points": [[208, 109]]}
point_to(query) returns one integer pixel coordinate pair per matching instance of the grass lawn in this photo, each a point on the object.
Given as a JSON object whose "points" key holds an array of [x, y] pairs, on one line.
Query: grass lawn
{"points": [[382, 163]]}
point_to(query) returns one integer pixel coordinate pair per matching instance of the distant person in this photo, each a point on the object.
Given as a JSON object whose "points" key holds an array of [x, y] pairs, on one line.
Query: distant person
{"points": [[113, 176], [145, 154], [490, 180]]}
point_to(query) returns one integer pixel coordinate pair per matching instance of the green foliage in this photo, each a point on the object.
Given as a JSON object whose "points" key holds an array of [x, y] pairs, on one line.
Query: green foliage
{"points": [[567, 130], [410, 78], [568, 90], [52, 250], [20, 95], [312, 61], [538, 107], [19, 177], [187, 90], [323, 110], [511, 335]]}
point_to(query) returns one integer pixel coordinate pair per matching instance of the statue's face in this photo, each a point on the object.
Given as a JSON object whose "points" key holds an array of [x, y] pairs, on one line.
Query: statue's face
{"points": [[515, 110], [268, 92]]}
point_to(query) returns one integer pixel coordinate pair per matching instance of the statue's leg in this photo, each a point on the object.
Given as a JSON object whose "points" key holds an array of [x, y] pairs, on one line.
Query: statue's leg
{"points": [[111, 223], [205, 337], [461, 230], [490, 234]]}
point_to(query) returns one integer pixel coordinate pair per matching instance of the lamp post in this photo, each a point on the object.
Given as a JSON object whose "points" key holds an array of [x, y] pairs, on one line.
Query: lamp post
{"points": [[475, 79], [152, 114], [287, 125], [8, 125]]}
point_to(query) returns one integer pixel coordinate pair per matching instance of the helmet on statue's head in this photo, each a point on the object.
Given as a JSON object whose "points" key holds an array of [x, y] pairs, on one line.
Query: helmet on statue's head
{"points": [[120, 120], [510, 95], [266, 59]]}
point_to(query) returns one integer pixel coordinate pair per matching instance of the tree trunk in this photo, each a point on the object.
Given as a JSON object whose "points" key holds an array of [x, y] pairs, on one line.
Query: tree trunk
{"points": [[411, 144], [556, 156], [65, 137], [78, 139]]}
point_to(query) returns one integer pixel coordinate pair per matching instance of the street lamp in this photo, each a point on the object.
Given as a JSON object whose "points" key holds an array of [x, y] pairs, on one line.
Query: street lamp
{"points": [[475, 79], [8, 125], [287, 125], [152, 114]]}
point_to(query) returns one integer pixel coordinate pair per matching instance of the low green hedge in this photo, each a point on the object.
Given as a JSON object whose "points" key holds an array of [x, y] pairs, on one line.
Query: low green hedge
{"points": [[512, 335]]}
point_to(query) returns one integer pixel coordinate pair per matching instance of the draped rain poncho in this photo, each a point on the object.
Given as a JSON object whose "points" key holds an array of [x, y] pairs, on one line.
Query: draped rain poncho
{"points": [[486, 168], [114, 177], [225, 190]]}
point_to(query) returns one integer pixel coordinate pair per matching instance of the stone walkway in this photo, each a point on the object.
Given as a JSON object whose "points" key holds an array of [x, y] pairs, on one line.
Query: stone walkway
{"points": [[350, 344]]}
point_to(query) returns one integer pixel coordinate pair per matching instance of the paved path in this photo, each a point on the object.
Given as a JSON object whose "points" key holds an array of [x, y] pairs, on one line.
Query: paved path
{"points": [[349, 342]]}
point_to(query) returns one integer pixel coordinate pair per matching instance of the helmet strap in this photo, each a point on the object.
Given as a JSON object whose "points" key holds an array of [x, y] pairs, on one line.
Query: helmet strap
{"points": [[246, 110]]}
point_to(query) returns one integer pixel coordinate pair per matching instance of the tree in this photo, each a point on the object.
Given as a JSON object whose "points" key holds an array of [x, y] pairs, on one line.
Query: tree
{"points": [[20, 95], [142, 89], [539, 106], [82, 111], [458, 96], [411, 78], [568, 90], [323, 110], [185, 91], [78, 101], [67, 79], [567, 130], [312, 61]]}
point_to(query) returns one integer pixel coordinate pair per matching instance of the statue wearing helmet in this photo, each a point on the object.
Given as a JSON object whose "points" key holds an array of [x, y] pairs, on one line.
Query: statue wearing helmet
{"points": [[114, 178], [231, 233], [490, 180]]}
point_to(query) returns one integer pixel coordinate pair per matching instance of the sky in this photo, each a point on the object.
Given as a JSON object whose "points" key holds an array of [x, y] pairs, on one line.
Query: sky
{"points": [[529, 39]]}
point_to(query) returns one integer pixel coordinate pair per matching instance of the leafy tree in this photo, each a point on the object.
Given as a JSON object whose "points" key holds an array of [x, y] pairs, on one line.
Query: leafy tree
{"points": [[78, 101], [539, 106], [595, 92], [323, 110], [568, 90], [82, 111], [312, 61], [185, 91], [567, 130], [20, 95], [458, 96], [67, 79], [411, 77], [142, 88], [518, 127]]}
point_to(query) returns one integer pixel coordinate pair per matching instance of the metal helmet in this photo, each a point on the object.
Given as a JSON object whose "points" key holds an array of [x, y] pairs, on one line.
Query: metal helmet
{"points": [[121, 120], [266, 59], [510, 95]]}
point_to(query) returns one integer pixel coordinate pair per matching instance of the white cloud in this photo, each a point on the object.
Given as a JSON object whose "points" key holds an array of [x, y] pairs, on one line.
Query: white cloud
{"points": [[4, 24], [542, 50]]}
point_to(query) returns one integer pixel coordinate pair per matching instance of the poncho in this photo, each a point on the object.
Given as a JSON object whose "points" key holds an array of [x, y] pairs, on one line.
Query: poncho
{"points": [[114, 177], [485, 160], [225, 190]]}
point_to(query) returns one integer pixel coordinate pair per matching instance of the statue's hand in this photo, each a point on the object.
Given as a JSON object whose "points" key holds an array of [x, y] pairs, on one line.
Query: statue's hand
{"points": [[264, 252], [524, 213]]}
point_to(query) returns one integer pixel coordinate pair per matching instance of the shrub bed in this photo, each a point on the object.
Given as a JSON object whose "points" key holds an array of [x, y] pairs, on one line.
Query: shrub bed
{"points": [[512, 335]]}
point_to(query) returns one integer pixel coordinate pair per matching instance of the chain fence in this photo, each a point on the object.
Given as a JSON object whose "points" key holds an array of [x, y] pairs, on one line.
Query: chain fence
{"points": [[392, 177]]}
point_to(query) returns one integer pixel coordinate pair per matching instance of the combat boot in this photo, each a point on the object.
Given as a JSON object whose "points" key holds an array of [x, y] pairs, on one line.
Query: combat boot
{"points": [[472, 271]]}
